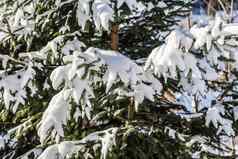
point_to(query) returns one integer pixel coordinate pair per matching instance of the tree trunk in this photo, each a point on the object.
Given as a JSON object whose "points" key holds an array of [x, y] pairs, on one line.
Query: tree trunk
{"points": [[131, 109], [114, 46], [114, 37]]}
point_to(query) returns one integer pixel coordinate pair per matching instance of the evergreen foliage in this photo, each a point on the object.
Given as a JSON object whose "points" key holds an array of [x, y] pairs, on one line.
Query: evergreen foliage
{"points": [[66, 94]]}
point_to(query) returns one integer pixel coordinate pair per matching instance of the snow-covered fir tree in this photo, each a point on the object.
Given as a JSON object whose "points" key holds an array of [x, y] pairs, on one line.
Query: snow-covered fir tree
{"points": [[66, 94]]}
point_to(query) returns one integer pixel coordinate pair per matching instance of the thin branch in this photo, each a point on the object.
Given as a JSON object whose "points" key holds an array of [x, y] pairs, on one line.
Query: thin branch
{"points": [[12, 59], [11, 35], [223, 7], [231, 11]]}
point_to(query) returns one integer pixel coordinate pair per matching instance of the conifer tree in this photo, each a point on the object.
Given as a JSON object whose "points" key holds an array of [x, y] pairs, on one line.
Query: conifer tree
{"points": [[43, 100], [66, 94]]}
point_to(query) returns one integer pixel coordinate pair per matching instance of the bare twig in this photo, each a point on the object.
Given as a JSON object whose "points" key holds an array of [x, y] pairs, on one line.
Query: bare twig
{"points": [[231, 11], [223, 7]]}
